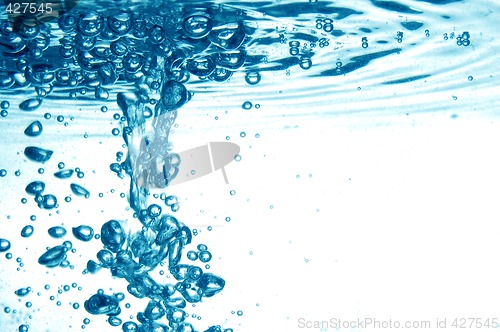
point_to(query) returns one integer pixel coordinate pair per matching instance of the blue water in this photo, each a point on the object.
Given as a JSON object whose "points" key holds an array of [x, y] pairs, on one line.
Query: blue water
{"points": [[98, 104]]}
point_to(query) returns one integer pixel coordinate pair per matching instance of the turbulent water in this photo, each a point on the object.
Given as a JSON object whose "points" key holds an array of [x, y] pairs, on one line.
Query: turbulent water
{"points": [[90, 230]]}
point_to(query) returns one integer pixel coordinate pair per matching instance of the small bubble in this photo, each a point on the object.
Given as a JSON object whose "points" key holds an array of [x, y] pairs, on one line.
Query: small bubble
{"points": [[60, 165], [232, 192], [239, 313], [237, 157], [47, 116], [470, 78], [257, 135], [115, 131], [227, 138], [246, 105], [4, 113], [305, 63], [328, 27], [41, 170], [3, 172], [243, 134], [104, 109], [228, 219], [257, 106], [60, 118], [252, 77], [18, 173], [5, 104], [192, 255], [76, 306]]}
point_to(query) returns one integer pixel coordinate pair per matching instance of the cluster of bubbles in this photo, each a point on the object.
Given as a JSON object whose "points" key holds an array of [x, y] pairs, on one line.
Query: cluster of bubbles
{"points": [[325, 24], [100, 49], [364, 42], [324, 42], [4, 106], [162, 239], [399, 36], [157, 54], [464, 39]]}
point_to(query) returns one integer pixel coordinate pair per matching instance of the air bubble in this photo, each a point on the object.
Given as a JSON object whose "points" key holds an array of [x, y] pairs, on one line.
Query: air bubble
{"points": [[27, 231], [192, 255], [205, 256], [252, 77], [246, 105], [24, 328], [57, 232], [30, 105], [304, 63], [83, 233], [4, 245]]}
